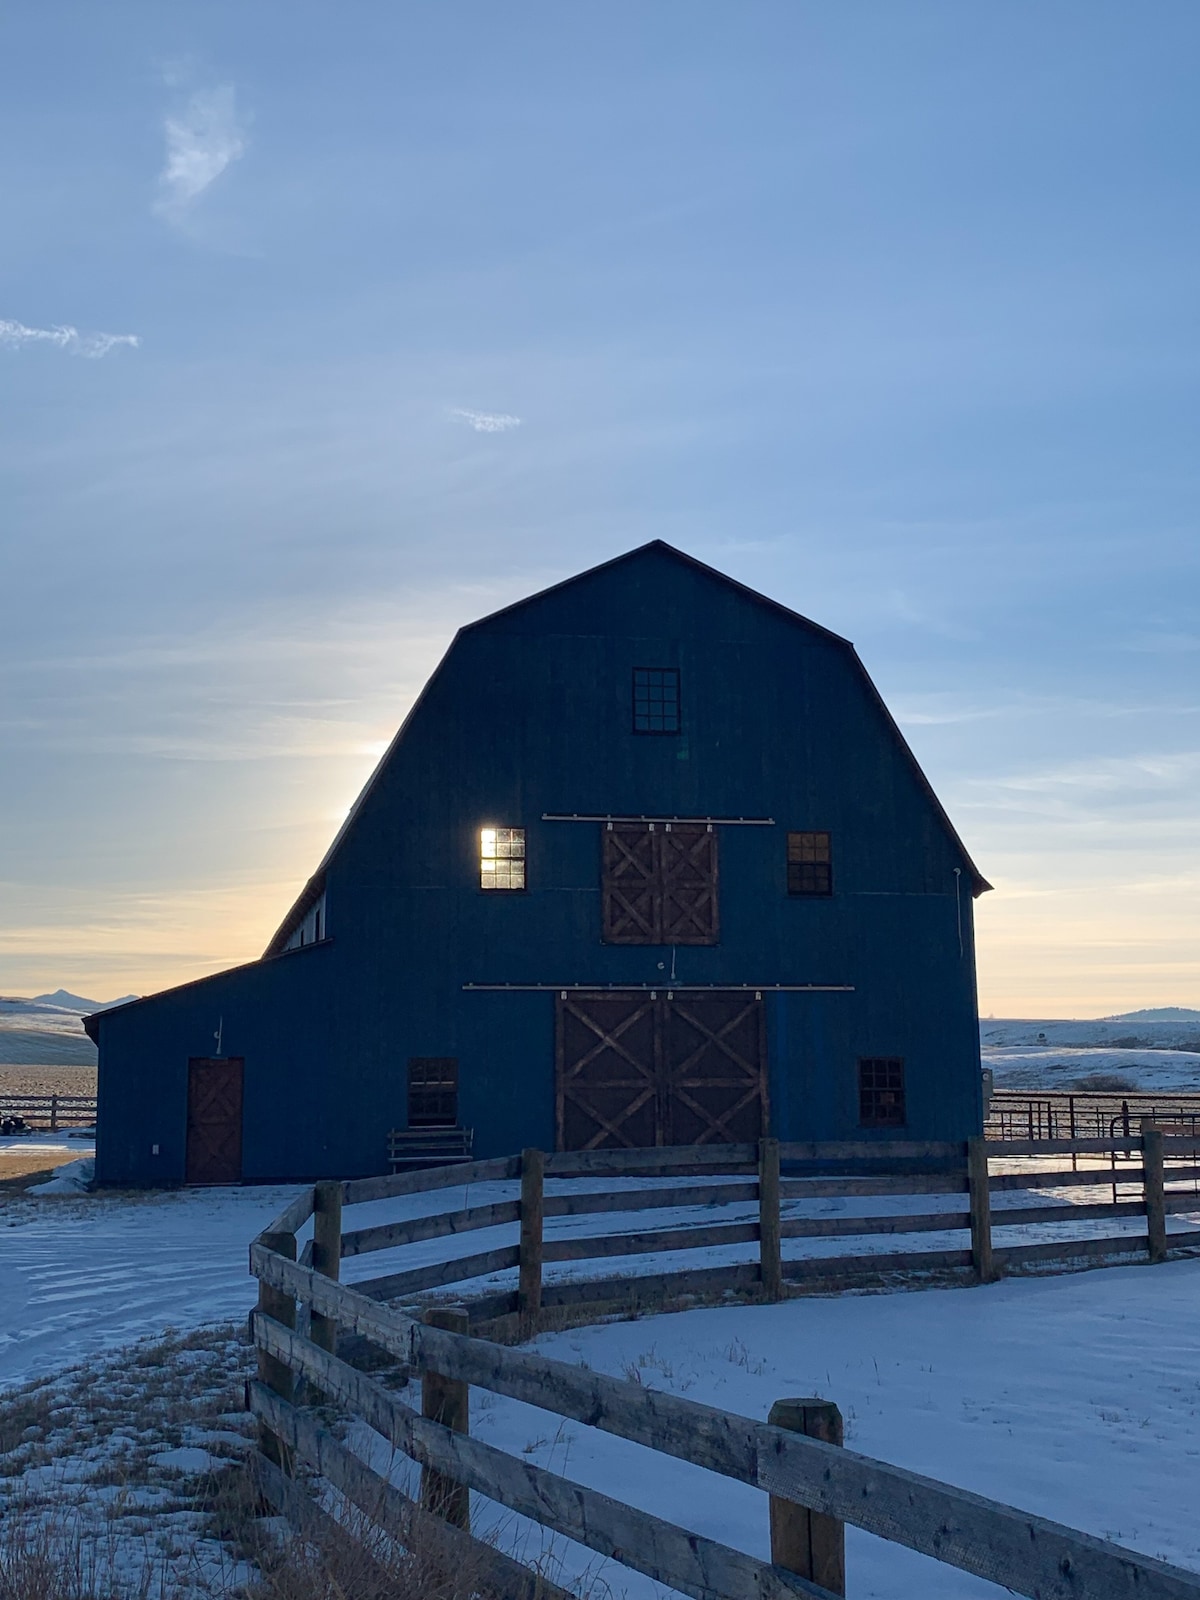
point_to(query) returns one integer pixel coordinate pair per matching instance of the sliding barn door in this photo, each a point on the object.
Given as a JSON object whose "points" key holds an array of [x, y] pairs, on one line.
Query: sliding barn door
{"points": [[636, 1069], [715, 1068], [659, 883]]}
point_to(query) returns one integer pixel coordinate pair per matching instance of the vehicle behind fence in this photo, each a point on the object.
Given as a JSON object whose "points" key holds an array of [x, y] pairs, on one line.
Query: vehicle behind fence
{"points": [[814, 1486]]}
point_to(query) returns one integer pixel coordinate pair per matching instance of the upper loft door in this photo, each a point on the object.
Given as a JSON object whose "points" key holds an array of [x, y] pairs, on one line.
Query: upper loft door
{"points": [[214, 1120], [659, 883]]}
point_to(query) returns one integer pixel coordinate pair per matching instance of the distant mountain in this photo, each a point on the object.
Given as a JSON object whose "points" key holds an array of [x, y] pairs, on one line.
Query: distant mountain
{"points": [[74, 1002], [1158, 1014]]}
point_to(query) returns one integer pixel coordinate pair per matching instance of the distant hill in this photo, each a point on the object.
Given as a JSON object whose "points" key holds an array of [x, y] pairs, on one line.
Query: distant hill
{"points": [[47, 1031], [1159, 1014], [74, 1002], [1158, 1028]]}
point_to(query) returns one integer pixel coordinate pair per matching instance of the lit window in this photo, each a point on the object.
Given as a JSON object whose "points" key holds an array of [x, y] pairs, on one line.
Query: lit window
{"points": [[502, 858], [809, 863], [655, 700], [881, 1092]]}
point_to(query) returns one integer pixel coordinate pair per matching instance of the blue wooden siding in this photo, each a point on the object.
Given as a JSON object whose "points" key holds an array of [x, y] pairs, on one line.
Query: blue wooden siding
{"points": [[529, 713]]}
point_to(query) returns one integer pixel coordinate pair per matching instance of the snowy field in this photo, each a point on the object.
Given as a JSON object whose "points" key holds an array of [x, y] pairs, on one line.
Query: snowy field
{"points": [[1077, 1397], [81, 1275], [1156, 1051], [1074, 1397], [1063, 1068], [84, 1273]]}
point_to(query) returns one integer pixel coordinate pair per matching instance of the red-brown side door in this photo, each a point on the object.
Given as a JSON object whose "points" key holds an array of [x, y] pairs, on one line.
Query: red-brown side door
{"points": [[214, 1120]]}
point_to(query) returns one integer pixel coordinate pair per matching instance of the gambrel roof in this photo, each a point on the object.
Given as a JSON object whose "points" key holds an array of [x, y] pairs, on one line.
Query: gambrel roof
{"points": [[655, 549]]}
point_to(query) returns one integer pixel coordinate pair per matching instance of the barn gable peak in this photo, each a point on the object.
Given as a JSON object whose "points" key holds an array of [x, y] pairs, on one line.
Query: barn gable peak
{"points": [[655, 554]]}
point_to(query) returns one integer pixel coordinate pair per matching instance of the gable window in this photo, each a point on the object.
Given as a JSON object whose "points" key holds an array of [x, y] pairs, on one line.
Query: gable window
{"points": [[809, 863], [502, 858], [656, 700], [881, 1092], [432, 1091], [311, 927], [659, 883]]}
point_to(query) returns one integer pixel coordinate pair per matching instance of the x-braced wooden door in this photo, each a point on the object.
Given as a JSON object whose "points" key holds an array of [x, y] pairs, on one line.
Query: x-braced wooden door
{"points": [[636, 1069], [659, 883], [214, 1120]]}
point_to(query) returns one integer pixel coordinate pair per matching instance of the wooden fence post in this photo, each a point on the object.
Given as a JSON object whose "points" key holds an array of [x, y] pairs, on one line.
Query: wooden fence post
{"points": [[53, 1113], [275, 1374], [529, 1292], [1153, 1180], [448, 1401], [326, 1255], [770, 1262], [981, 1210], [805, 1542]]}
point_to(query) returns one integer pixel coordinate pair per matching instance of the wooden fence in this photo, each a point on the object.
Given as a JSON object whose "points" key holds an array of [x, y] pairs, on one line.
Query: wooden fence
{"points": [[53, 1111], [814, 1486]]}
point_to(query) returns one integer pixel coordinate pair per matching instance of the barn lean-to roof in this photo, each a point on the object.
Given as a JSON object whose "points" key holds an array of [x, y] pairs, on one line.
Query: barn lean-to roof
{"points": [[315, 886]]}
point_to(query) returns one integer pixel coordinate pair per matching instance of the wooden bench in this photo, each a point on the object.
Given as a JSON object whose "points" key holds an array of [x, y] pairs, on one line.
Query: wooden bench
{"points": [[410, 1149]]}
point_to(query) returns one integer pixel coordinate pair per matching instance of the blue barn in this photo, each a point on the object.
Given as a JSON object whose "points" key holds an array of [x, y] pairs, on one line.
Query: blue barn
{"points": [[649, 862]]}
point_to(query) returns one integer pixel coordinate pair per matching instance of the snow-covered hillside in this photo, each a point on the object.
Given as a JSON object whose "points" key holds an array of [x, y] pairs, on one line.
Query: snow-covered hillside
{"points": [[1166, 1028], [1154, 1051], [47, 1031], [35, 1035]]}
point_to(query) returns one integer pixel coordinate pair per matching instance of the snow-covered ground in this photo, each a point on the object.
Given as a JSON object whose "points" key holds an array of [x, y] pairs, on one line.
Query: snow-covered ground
{"points": [[1060, 1068], [1077, 1397], [1074, 1397], [83, 1275], [1155, 1051], [1166, 1028]]}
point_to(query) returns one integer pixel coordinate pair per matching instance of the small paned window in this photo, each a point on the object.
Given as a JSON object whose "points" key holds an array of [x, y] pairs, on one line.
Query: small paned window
{"points": [[655, 700], [502, 858], [432, 1091], [809, 863], [881, 1092]]}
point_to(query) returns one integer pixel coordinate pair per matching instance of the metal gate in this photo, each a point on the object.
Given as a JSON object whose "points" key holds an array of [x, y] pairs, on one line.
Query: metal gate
{"points": [[636, 1069], [214, 1120]]}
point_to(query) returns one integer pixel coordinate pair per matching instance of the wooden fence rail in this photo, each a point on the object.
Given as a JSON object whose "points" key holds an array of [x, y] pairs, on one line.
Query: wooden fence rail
{"points": [[815, 1486], [50, 1110], [728, 1211]]}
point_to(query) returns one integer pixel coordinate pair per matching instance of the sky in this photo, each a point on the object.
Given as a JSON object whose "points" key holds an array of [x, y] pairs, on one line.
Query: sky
{"points": [[324, 331]]}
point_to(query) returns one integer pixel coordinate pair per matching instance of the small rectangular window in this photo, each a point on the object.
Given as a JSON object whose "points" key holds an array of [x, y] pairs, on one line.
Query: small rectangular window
{"points": [[433, 1091], [656, 700], [881, 1092], [809, 863], [502, 858]]}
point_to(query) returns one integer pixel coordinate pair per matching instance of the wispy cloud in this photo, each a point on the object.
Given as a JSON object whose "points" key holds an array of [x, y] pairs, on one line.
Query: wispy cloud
{"points": [[485, 421], [13, 335], [203, 138]]}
